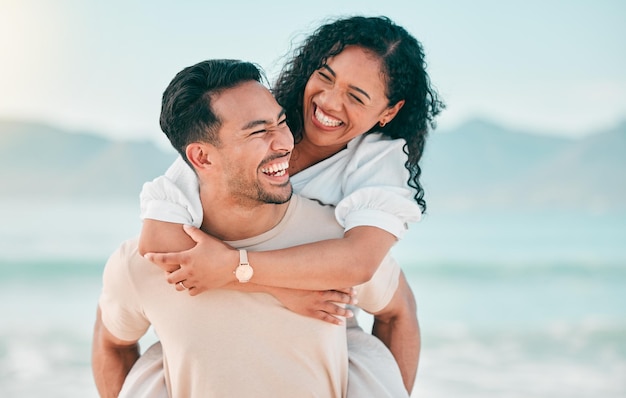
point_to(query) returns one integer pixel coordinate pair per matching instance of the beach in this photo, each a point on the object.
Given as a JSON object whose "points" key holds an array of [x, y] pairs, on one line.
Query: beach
{"points": [[537, 312]]}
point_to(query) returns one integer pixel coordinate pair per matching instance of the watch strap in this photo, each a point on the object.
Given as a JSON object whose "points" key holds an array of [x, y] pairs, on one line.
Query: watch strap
{"points": [[243, 256]]}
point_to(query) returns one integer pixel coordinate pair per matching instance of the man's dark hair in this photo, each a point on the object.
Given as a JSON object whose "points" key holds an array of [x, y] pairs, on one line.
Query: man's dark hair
{"points": [[186, 114]]}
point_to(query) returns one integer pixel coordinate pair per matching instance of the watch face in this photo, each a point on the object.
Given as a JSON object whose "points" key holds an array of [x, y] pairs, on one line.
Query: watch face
{"points": [[244, 272]]}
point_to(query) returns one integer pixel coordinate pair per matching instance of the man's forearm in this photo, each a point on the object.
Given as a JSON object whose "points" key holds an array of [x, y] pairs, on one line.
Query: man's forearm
{"points": [[403, 340], [111, 361], [111, 368]]}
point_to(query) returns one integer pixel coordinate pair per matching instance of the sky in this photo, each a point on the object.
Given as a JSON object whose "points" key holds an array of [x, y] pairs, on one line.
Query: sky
{"points": [[551, 66]]}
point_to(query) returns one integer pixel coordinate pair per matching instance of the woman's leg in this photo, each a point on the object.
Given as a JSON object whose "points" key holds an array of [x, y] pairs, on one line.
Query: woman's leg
{"points": [[146, 378], [372, 370]]}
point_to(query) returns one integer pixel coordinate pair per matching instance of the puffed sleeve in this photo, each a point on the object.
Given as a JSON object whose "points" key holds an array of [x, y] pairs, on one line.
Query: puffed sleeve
{"points": [[375, 187], [122, 314], [173, 197]]}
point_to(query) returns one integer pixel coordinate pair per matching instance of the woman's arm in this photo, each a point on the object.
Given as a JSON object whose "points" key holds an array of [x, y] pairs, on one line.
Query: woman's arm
{"points": [[374, 192], [325, 305], [347, 261], [161, 236], [319, 304], [167, 203], [323, 265]]}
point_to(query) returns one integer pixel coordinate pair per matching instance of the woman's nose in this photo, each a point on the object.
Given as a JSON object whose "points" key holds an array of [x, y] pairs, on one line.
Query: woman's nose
{"points": [[330, 99]]}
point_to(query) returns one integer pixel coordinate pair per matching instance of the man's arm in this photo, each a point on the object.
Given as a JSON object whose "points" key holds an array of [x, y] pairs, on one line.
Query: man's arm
{"points": [[111, 359], [397, 327]]}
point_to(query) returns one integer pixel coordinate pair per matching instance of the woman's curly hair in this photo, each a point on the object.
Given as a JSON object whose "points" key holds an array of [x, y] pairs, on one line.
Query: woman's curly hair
{"points": [[404, 69]]}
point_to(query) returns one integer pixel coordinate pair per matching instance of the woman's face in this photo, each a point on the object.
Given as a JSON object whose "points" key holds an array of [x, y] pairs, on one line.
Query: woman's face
{"points": [[345, 98]]}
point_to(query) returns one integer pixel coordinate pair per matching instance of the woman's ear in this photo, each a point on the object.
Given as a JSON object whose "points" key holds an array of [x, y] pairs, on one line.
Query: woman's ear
{"points": [[391, 112], [198, 155]]}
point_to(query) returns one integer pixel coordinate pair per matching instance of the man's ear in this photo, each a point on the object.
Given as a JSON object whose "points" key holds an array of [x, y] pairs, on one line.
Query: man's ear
{"points": [[198, 154]]}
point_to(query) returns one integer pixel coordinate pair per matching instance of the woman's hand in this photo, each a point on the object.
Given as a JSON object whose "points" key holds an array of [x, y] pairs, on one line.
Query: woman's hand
{"points": [[324, 305], [208, 265], [164, 237]]}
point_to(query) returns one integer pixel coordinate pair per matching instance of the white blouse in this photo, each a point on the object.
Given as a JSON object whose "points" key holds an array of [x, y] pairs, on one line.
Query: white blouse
{"points": [[367, 182]]}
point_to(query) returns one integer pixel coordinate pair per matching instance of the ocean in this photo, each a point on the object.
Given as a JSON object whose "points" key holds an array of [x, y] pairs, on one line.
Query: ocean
{"points": [[524, 305]]}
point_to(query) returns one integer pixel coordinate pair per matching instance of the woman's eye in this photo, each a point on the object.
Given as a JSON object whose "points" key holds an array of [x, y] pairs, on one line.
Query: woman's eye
{"points": [[282, 122], [324, 76], [357, 99]]}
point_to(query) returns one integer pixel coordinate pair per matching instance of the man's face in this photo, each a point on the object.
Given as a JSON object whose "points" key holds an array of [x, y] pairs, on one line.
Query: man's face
{"points": [[255, 145]]}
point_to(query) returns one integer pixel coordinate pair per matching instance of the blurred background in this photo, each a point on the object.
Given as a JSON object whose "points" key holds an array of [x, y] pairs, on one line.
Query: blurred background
{"points": [[519, 265]]}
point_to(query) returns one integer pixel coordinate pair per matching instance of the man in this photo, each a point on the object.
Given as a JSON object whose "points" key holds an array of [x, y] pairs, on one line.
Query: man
{"points": [[231, 343]]}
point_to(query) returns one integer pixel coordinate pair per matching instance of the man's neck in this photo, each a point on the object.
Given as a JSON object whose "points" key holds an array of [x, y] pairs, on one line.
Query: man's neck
{"points": [[230, 220]]}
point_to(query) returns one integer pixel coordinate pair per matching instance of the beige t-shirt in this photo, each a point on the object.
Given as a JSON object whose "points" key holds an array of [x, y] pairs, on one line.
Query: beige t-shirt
{"points": [[224, 343]]}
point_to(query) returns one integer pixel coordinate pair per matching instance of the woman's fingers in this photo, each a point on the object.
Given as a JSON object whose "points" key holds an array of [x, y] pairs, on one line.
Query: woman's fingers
{"points": [[194, 233], [331, 310], [181, 274], [334, 314], [337, 296], [348, 290], [167, 261]]}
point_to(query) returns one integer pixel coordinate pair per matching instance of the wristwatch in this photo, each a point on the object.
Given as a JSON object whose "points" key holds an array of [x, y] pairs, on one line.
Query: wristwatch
{"points": [[244, 271]]}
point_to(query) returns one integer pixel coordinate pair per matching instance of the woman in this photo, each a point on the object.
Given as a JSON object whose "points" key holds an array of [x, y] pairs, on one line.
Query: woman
{"points": [[358, 101]]}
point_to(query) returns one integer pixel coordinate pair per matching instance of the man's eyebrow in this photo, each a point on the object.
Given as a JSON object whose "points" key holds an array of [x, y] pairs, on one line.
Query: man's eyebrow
{"points": [[360, 90], [254, 123]]}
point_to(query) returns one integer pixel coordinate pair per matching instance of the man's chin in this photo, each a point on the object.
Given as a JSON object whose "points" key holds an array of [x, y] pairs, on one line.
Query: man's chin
{"points": [[277, 198]]}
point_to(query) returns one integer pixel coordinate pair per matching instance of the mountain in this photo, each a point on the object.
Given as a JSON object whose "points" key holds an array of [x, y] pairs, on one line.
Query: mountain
{"points": [[478, 165], [40, 160], [590, 174]]}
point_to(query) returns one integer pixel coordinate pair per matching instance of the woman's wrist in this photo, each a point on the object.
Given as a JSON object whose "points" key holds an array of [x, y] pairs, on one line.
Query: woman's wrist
{"points": [[244, 270]]}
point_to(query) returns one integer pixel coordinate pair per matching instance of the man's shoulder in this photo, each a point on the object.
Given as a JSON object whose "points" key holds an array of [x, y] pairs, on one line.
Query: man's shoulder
{"points": [[129, 247], [313, 218], [302, 206], [311, 204], [126, 252]]}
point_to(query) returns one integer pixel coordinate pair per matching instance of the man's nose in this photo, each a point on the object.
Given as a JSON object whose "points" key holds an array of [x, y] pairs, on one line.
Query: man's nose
{"points": [[282, 140]]}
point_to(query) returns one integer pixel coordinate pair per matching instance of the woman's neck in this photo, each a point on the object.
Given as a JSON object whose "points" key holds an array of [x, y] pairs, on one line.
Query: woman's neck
{"points": [[305, 154]]}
